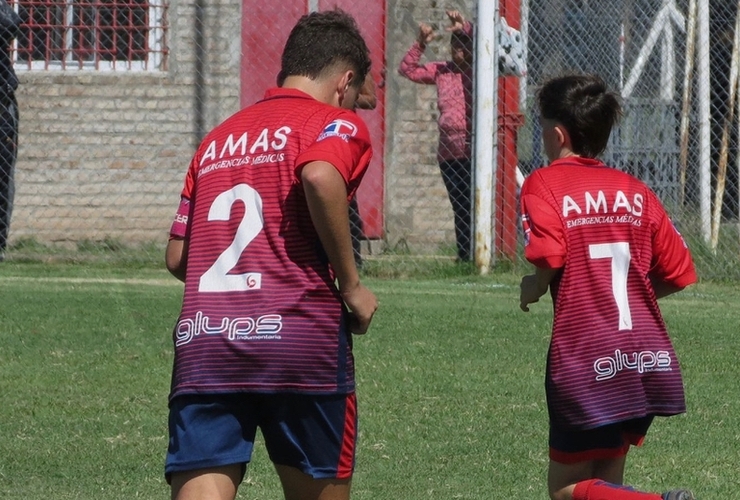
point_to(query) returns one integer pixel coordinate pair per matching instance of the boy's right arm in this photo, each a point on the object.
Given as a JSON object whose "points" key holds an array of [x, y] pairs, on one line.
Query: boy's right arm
{"points": [[176, 254], [176, 257], [326, 195], [534, 286], [663, 289]]}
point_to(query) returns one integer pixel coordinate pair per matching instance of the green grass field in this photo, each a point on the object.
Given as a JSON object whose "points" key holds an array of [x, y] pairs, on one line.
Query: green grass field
{"points": [[450, 388]]}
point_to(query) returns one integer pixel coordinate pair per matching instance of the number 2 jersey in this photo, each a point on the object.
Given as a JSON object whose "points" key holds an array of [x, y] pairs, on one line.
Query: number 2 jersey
{"points": [[610, 357], [261, 312]]}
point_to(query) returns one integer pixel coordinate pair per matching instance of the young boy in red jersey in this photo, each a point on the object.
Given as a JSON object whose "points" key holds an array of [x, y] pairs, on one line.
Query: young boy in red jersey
{"points": [[604, 246], [272, 294]]}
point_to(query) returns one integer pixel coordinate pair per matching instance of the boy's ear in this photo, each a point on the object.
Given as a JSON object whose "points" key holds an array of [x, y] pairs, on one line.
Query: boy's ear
{"points": [[562, 135], [344, 83], [346, 80]]}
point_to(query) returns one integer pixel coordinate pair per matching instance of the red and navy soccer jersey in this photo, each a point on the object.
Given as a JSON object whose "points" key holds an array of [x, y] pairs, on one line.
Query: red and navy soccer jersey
{"points": [[261, 312], [610, 358]]}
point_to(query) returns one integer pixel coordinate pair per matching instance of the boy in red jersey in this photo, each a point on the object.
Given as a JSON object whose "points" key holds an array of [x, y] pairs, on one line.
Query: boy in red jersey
{"points": [[603, 244], [272, 293]]}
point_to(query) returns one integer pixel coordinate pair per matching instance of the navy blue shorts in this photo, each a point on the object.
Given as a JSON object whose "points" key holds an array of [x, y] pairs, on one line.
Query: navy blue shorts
{"points": [[315, 434], [600, 443]]}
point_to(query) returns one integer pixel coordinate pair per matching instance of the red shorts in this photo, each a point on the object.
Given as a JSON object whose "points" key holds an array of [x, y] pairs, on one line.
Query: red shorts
{"points": [[608, 441]]}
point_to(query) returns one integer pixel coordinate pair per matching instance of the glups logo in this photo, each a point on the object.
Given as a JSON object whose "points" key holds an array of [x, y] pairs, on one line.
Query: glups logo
{"points": [[643, 361]]}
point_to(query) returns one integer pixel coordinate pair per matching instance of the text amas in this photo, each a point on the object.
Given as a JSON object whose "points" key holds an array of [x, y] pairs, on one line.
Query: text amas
{"points": [[265, 141], [587, 204]]}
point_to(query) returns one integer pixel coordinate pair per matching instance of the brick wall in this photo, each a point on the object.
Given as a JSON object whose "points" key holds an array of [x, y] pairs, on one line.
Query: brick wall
{"points": [[103, 155]]}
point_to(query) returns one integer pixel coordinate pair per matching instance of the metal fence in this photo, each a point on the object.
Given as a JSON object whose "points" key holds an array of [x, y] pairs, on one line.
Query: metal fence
{"points": [[114, 97], [675, 64]]}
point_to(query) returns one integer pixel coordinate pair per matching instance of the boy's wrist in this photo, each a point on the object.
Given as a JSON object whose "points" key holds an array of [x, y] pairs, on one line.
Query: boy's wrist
{"points": [[349, 286]]}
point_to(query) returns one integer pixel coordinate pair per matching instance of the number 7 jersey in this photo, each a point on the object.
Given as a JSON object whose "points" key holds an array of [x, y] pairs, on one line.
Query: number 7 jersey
{"points": [[261, 312], [610, 357]]}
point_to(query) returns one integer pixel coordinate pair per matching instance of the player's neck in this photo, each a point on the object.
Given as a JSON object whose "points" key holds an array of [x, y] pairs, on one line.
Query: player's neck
{"points": [[318, 89], [567, 153]]}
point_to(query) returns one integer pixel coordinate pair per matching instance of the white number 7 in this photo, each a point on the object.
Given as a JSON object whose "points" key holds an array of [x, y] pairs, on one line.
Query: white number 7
{"points": [[619, 253]]}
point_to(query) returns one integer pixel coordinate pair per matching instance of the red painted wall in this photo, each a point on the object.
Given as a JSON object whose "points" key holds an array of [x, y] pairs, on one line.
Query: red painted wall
{"points": [[265, 27], [509, 121]]}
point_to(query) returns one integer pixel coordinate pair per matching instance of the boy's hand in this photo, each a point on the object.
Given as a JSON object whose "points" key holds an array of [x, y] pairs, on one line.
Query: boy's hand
{"points": [[530, 292], [362, 304], [457, 20], [426, 34], [367, 98]]}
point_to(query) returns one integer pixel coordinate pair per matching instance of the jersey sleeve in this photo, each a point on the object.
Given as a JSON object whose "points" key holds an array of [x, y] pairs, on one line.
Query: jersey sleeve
{"points": [[345, 143], [181, 224], [672, 262], [544, 238]]}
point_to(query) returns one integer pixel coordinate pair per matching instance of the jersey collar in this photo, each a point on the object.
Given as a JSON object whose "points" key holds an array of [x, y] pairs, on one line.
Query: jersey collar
{"points": [[578, 161], [278, 92]]}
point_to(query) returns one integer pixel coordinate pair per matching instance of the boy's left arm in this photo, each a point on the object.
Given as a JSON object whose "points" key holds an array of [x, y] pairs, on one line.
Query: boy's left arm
{"points": [[367, 98], [544, 241], [672, 268]]}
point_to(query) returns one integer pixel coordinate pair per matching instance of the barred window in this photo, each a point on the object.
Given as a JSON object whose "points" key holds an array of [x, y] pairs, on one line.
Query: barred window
{"points": [[112, 35]]}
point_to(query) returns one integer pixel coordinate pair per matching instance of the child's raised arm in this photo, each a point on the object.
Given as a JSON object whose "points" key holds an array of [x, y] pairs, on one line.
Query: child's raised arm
{"points": [[426, 34], [457, 20]]}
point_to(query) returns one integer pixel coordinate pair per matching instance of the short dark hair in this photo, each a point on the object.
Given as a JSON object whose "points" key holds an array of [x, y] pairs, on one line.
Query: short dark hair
{"points": [[461, 38], [321, 41], [585, 107]]}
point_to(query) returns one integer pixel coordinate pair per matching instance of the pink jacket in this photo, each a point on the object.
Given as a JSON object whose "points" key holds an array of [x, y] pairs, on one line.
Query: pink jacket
{"points": [[454, 99]]}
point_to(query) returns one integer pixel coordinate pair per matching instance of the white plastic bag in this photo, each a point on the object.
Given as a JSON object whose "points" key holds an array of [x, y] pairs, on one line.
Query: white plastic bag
{"points": [[511, 58]]}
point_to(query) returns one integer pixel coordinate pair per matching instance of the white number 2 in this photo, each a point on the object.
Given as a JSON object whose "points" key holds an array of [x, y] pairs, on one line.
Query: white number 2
{"points": [[217, 277], [619, 253]]}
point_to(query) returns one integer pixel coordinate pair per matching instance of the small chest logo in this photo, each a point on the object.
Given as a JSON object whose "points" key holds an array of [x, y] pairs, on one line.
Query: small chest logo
{"points": [[339, 128]]}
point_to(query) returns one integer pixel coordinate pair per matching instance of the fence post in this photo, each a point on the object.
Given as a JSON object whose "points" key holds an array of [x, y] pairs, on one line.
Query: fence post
{"points": [[705, 127], [486, 76]]}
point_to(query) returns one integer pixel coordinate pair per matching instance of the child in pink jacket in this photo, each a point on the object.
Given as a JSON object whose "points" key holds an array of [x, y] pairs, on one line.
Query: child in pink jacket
{"points": [[454, 81]]}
